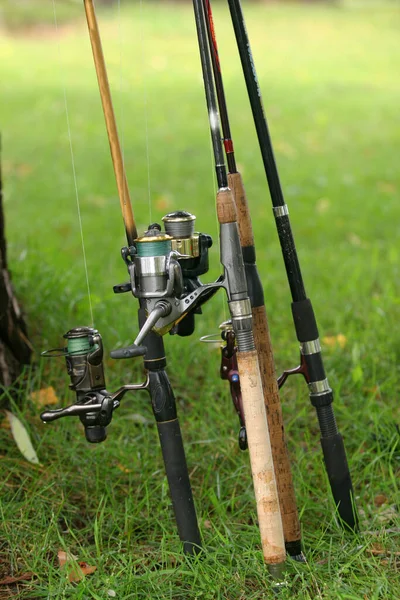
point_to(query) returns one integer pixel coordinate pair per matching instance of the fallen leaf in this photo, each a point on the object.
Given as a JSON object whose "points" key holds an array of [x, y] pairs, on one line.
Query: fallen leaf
{"points": [[380, 499], [76, 570], [9, 580], [323, 205], [44, 397], [23, 169], [335, 340], [123, 469], [22, 438], [376, 550], [386, 187], [5, 424], [207, 524], [354, 239], [379, 550], [286, 149], [84, 569], [64, 557], [374, 390], [162, 202], [388, 514]]}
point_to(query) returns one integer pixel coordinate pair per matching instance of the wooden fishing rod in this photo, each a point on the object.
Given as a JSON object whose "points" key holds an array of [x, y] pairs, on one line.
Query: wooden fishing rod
{"points": [[111, 125], [283, 472]]}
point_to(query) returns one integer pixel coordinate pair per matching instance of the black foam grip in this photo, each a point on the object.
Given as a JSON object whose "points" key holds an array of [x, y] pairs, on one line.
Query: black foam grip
{"points": [[179, 485], [304, 321], [339, 479]]}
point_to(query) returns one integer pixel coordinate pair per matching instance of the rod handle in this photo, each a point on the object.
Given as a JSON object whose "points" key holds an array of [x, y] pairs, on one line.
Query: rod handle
{"points": [[243, 214], [226, 210], [179, 484], [262, 467], [339, 479], [283, 471]]}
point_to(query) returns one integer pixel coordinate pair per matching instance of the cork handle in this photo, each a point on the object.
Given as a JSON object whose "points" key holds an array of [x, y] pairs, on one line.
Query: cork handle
{"points": [[243, 214], [283, 471], [226, 209], [262, 467]]}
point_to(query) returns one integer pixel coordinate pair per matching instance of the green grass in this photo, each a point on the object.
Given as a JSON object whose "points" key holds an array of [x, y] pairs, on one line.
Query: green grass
{"points": [[329, 77]]}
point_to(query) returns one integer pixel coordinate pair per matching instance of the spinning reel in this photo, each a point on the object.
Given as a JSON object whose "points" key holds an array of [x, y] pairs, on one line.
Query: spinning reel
{"points": [[95, 405], [164, 269]]}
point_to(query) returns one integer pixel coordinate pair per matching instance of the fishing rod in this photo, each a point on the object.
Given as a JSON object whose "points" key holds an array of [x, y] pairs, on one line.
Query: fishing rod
{"points": [[257, 432], [152, 265], [287, 499], [311, 367]]}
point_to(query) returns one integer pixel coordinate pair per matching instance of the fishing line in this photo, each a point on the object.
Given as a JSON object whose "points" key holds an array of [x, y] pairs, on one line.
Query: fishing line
{"points": [[73, 165]]}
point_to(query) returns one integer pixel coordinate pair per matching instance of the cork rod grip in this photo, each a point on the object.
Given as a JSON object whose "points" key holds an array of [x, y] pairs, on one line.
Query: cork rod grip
{"points": [[283, 471], [262, 339], [262, 467], [226, 210], [243, 214]]}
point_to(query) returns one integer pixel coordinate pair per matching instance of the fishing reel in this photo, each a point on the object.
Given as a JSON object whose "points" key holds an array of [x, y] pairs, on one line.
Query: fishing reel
{"points": [[164, 269], [94, 405]]}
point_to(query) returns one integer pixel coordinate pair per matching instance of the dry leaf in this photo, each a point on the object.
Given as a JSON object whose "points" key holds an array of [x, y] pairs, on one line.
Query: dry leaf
{"points": [[123, 469], [335, 340], [64, 557], [354, 239], [207, 524], [82, 570], [22, 438], [44, 397], [376, 550], [380, 499], [162, 202], [323, 205], [386, 187], [285, 149], [76, 570], [387, 514], [9, 580], [379, 550], [374, 390]]}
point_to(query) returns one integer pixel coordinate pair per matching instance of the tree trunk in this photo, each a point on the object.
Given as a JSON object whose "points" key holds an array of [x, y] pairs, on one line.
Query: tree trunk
{"points": [[15, 349]]}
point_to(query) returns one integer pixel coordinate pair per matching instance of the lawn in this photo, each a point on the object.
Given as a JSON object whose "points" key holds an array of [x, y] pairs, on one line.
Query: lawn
{"points": [[329, 77]]}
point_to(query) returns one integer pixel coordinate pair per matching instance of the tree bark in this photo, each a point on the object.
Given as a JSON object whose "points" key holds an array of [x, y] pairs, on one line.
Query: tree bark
{"points": [[15, 349]]}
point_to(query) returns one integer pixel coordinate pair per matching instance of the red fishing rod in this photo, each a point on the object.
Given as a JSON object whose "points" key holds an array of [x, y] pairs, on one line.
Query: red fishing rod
{"points": [[290, 519]]}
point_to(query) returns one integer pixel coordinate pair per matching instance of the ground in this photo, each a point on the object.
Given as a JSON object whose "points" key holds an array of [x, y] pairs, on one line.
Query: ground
{"points": [[329, 78]]}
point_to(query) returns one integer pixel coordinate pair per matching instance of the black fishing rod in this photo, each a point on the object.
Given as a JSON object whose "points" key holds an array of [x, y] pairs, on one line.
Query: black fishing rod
{"points": [[234, 280], [152, 265], [290, 519], [312, 367]]}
